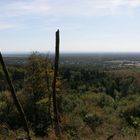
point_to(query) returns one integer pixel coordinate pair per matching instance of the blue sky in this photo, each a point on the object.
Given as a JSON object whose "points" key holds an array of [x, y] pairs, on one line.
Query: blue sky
{"points": [[85, 25]]}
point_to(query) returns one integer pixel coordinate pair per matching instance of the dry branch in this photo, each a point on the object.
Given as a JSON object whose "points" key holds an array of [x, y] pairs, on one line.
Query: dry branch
{"points": [[15, 99]]}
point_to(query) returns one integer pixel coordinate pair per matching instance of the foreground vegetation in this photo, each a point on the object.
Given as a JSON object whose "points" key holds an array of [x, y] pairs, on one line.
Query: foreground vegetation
{"points": [[94, 102]]}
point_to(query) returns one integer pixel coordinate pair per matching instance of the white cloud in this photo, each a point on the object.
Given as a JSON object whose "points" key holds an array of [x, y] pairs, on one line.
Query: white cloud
{"points": [[20, 8], [5, 26], [92, 7], [66, 7]]}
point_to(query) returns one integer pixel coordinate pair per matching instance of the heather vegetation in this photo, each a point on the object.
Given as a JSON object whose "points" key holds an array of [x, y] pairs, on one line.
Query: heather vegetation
{"points": [[95, 101]]}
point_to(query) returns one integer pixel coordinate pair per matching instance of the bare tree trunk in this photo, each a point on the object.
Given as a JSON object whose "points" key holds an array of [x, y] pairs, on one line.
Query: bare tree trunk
{"points": [[55, 109], [15, 99]]}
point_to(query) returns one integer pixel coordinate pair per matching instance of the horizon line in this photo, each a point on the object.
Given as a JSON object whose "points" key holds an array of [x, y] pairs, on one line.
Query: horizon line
{"points": [[68, 52]]}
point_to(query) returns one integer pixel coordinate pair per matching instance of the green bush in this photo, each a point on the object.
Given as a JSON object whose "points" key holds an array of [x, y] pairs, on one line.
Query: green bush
{"points": [[93, 120]]}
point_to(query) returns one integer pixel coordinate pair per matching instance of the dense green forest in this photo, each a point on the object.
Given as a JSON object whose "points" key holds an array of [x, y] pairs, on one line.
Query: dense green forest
{"points": [[98, 97]]}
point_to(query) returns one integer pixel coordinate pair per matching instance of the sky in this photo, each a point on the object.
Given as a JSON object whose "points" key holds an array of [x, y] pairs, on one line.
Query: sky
{"points": [[85, 25]]}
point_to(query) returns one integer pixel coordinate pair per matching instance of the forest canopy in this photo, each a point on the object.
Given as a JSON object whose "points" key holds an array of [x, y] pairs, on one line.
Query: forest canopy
{"points": [[93, 102]]}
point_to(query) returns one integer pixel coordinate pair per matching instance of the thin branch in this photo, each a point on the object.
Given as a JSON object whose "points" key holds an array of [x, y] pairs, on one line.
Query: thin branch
{"points": [[15, 99]]}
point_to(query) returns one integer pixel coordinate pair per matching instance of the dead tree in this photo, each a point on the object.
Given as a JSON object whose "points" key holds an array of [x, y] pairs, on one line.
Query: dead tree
{"points": [[15, 99], [55, 109]]}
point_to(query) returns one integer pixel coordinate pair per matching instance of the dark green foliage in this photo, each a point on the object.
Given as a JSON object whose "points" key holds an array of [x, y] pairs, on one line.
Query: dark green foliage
{"points": [[38, 74], [129, 109], [93, 120], [93, 102], [34, 96]]}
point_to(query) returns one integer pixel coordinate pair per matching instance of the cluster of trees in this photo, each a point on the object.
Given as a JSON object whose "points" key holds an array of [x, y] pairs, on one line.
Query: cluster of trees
{"points": [[32, 84], [117, 84], [92, 103]]}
